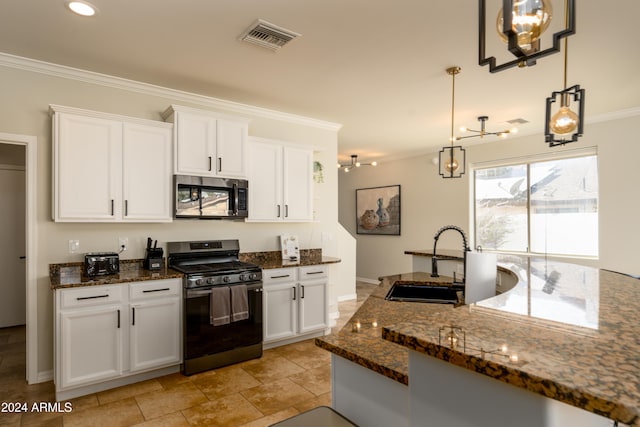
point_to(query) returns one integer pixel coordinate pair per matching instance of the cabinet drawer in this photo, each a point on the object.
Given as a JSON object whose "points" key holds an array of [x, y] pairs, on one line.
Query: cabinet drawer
{"points": [[313, 272], [279, 275], [155, 289], [91, 296]]}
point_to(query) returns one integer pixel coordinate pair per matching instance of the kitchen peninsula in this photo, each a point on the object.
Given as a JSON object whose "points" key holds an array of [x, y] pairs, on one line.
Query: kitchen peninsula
{"points": [[571, 336]]}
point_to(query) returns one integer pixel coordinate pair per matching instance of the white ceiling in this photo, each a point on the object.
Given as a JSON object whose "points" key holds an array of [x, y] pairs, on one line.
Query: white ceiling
{"points": [[375, 66]]}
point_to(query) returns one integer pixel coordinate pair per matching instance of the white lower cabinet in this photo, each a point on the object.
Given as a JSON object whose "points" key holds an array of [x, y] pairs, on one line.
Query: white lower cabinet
{"points": [[295, 301], [104, 335]]}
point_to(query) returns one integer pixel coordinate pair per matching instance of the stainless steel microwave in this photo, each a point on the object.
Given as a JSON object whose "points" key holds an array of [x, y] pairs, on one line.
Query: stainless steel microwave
{"points": [[211, 198]]}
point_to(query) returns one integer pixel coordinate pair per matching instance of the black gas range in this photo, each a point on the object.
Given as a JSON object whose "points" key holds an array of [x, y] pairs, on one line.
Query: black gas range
{"points": [[222, 304]]}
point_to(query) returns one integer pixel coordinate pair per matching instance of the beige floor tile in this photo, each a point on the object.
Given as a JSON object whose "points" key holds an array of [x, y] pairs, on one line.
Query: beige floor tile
{"points": [[172, 380], [306, 354], [271, 369], [223, 382], [175, 419], [127, 391], [275, 396], [84, 402], [317, 380], [273, 418], [119, 413], [158, 403], [228, 411], [43, 419], [10, 419], [322, 400]]}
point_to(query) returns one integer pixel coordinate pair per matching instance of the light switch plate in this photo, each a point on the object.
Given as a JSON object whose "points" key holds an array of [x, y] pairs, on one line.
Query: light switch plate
{"points": [[74, 246]]}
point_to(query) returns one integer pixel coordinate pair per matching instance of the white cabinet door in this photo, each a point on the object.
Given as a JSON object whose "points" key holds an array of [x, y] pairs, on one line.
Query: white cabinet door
{"points": [[231, 148], [155, 333], [298, 184], [147, 177], [265, 181], [195, 144], [280, 182], [87, 168], [280, 302], [91, 345], [313, 305]]}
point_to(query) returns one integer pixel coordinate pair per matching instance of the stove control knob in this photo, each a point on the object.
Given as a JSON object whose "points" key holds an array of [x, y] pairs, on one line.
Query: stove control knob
{"points": [[200, 282], [225, 279], [242, 277], [211, 281], [253, 276]]}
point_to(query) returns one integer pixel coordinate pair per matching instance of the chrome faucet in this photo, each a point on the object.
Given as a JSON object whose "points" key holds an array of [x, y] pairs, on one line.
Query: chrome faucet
{"points": [[435, 259]]}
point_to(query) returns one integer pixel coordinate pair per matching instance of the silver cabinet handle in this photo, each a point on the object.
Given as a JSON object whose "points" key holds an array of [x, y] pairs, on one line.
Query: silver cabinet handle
{"points": [[219, 164], [112, 209], [118, 318], [133, 316], [126, 208], [294, 293], [279, 277], [302, 293], [286, 211], [315, 272], [278, 211], [209, 163]]}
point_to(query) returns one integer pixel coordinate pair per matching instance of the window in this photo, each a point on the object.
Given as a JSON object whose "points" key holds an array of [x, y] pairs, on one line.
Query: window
{"points": [[547, 206]]}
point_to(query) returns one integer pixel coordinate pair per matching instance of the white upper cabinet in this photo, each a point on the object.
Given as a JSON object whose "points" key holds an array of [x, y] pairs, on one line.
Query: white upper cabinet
{"points": [[109, 168], [280, 181], [208, 144]]}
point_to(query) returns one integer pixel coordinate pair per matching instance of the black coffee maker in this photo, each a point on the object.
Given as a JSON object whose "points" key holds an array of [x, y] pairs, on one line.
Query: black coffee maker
{"points": [[153, 256]]}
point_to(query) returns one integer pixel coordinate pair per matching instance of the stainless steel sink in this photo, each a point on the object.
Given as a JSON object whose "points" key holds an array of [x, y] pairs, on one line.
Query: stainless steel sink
{"points": [[412, 292]]}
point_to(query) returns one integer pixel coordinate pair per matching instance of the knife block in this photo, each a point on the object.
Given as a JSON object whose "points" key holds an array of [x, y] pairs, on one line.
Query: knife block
{"points": [[153, 259]]}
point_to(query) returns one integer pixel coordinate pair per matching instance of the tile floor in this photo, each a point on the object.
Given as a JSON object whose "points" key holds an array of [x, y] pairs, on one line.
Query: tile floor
{"points": [[285, 381]]}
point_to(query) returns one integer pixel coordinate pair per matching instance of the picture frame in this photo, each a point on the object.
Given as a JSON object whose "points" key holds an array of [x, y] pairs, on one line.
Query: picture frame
{"points": [[378, 210]]}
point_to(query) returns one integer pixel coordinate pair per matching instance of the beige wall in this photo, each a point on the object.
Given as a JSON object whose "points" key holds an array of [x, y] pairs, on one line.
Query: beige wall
{"points": [[429, 202], [26, 97]]}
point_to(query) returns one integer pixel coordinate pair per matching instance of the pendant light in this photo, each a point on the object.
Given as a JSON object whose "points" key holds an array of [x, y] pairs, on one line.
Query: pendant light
{"points": [[520, 24], [562, 125], [451, 159], [484, 132], [355, 164]]}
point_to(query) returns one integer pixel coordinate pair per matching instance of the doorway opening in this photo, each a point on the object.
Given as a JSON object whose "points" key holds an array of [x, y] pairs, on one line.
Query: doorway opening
{"points": [[18, 234]]}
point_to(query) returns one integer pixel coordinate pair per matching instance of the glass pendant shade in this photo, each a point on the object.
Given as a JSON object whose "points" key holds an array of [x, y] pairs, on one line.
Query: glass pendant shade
{"points": [[529, 19], [563, 121], [563, 124], [451, 162]]}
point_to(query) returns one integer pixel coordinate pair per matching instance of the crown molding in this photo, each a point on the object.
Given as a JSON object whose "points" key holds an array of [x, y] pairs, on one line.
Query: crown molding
{"points": [[62, 71]]}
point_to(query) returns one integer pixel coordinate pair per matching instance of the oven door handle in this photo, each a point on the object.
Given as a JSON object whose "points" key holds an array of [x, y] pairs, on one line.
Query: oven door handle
{"points": [[192, 294]]}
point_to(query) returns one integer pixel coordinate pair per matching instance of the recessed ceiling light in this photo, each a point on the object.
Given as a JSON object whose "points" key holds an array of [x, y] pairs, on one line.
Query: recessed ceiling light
{"points": [[82, 8]]}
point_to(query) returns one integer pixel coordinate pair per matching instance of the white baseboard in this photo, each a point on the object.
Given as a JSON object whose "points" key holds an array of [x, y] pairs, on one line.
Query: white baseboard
{"points": [[347, 297], [364, 279], [44, 376]]}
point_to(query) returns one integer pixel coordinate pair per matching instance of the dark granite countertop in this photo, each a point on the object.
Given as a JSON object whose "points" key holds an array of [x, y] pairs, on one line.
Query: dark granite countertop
{"points": [[70, 275], [273, 259], [576, 337]]}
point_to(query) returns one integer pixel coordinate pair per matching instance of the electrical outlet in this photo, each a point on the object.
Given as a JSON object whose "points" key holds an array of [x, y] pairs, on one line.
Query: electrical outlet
{"points": [[74, 246], [123, 244]]}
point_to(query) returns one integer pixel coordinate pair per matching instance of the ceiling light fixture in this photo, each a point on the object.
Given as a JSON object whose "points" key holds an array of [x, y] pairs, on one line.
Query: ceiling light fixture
{"points": [[559, 124], [355, 164], [520, 23], [82, 8], [451, 160], [482, 132]]}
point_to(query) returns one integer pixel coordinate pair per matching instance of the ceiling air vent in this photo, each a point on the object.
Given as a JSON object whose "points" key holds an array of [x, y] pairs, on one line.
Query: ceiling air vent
{"points": [[265, 34]]}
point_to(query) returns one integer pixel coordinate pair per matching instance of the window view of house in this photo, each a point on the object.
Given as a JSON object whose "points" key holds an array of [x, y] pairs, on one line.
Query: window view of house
{"points": [[546, 207]]}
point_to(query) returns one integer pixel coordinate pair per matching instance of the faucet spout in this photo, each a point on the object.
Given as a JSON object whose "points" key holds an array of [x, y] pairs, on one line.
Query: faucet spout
{"points": [[465, 249]]}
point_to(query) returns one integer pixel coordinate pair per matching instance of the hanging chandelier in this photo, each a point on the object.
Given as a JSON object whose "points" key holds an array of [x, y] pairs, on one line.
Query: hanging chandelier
{"points": [[451, 159], [355, 164], [484, 132], [562, 125], [520, 24]]}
